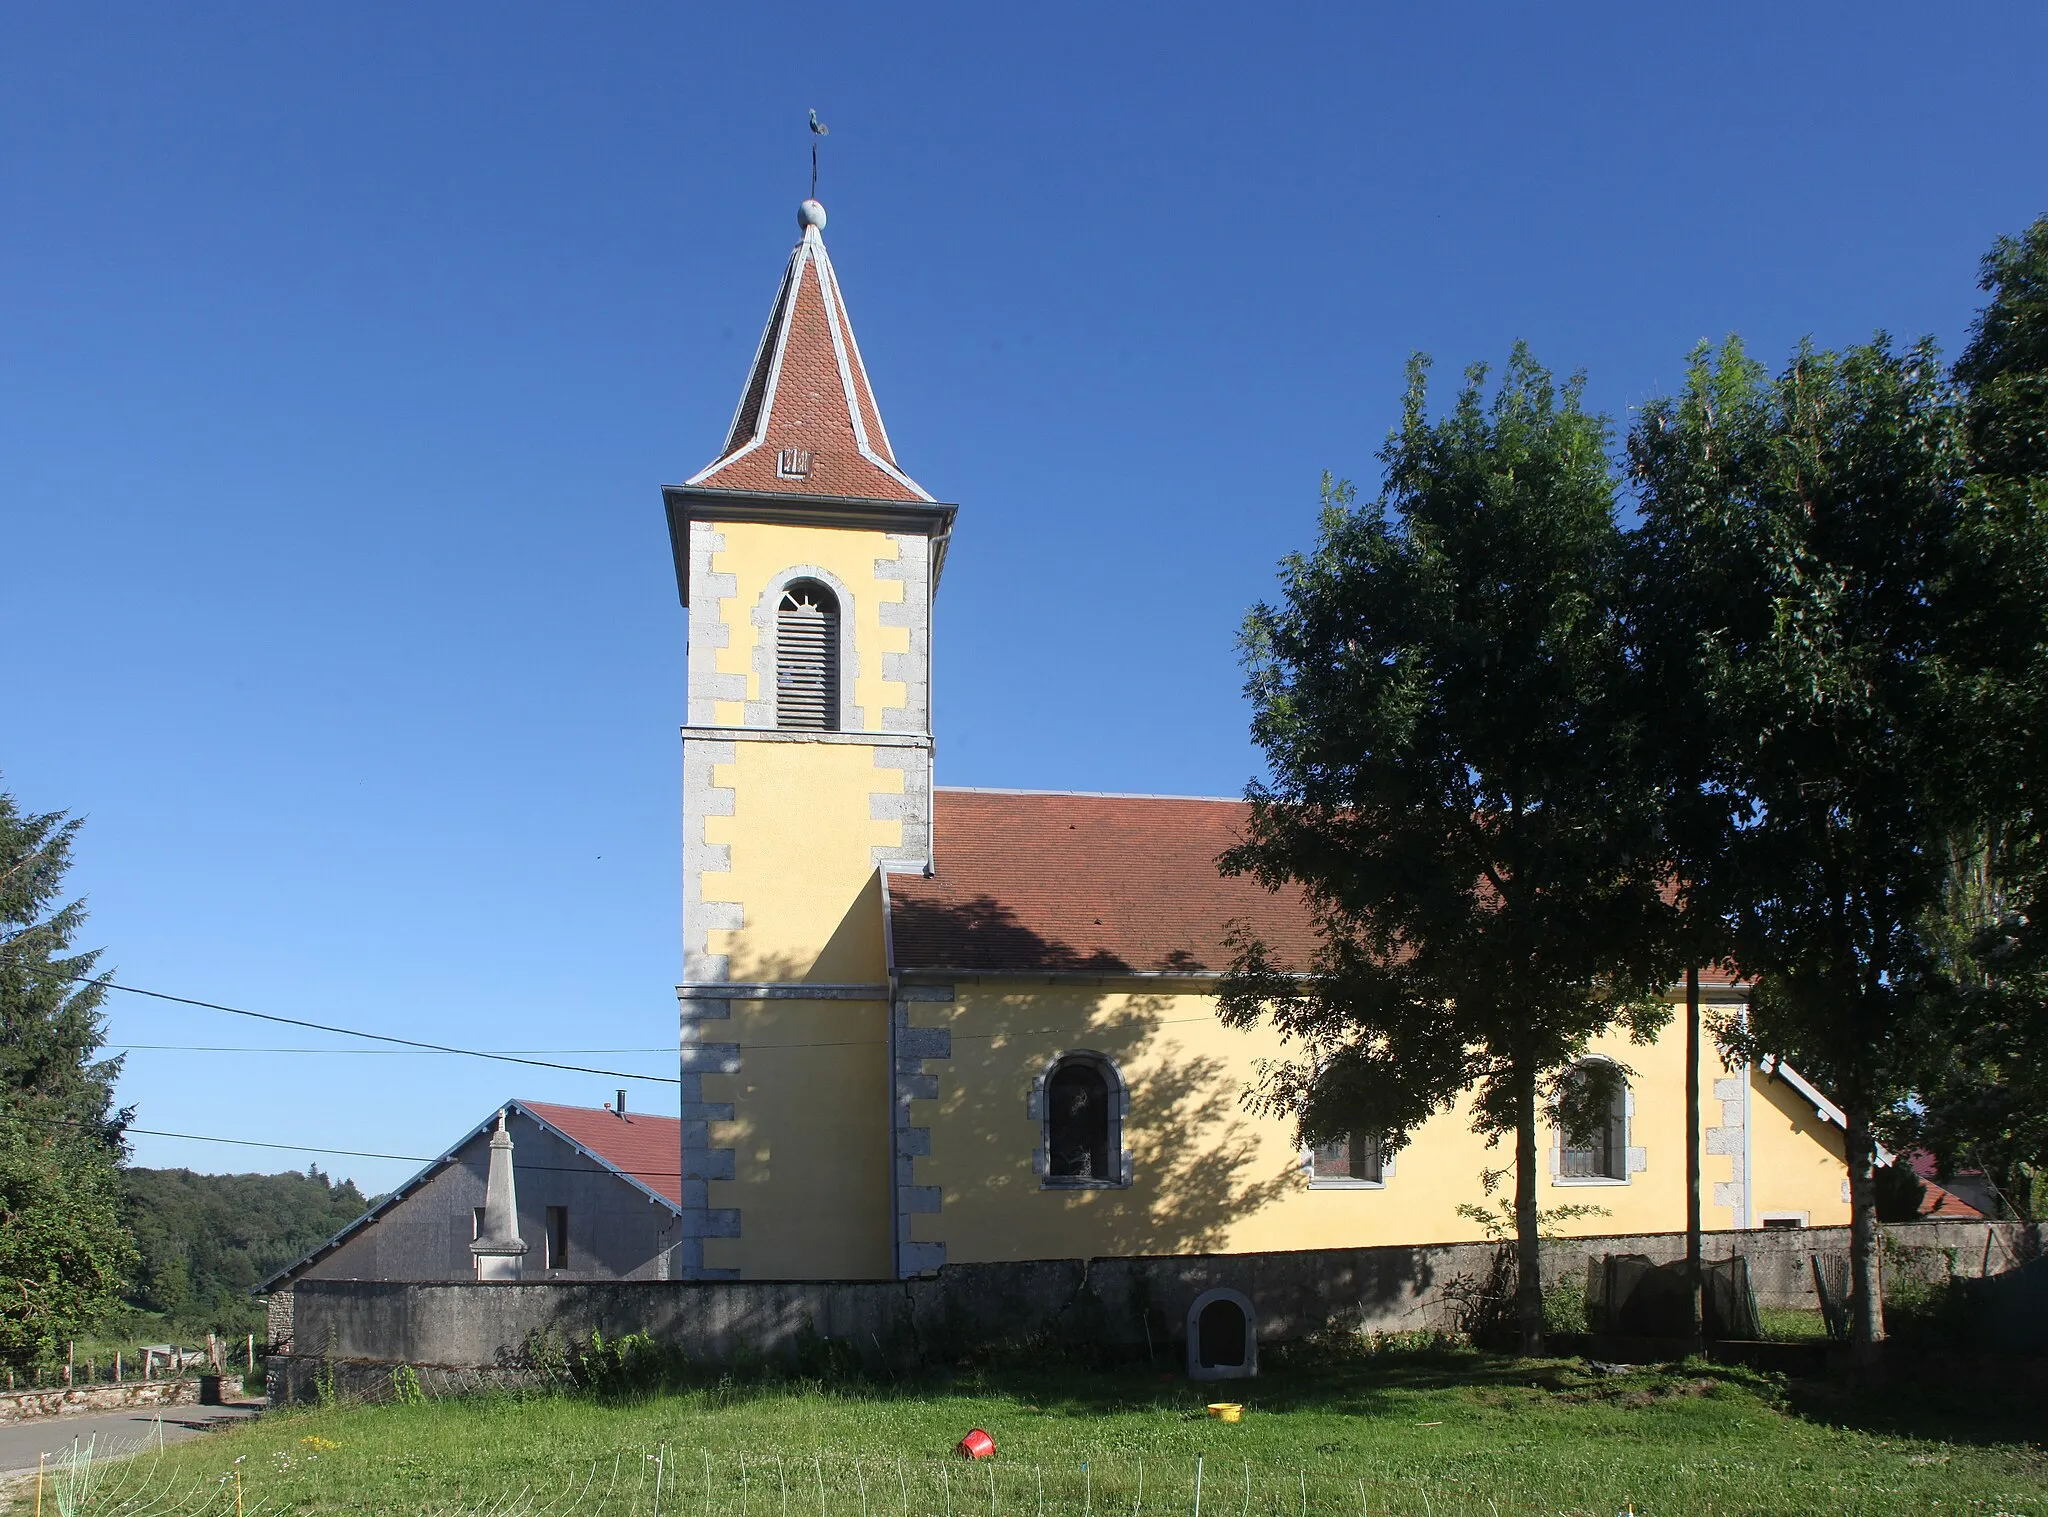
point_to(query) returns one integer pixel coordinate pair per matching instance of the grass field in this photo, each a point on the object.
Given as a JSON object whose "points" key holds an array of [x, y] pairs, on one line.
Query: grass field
{"points": [[1439, 1433]]}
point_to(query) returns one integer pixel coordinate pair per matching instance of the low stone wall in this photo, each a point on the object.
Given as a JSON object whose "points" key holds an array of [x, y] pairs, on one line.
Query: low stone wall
{"points": [[27, 1406], [469, 1332]]}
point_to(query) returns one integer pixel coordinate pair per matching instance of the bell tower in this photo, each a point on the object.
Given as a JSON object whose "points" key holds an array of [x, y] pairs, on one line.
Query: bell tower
{"points": [[808, 560]]}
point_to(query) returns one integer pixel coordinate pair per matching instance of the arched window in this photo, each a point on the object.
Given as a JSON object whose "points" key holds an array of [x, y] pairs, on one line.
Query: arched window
{"points": [[1081, 1103], [1593, 1122], [807, 658]]}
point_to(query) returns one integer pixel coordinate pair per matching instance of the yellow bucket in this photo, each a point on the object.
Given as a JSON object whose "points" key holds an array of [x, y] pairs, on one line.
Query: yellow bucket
{"points": [[1227, 1411]]}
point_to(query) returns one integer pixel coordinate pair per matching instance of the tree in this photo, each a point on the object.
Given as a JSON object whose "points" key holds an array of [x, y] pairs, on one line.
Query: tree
{"points": [[1987, 1103], [207, 1240], [1802, 538], [1446, 716], [63, 1251]]}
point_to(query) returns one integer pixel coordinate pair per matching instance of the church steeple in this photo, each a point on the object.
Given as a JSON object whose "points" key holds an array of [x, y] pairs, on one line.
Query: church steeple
{"points": [[808, 560], [807, 422]]}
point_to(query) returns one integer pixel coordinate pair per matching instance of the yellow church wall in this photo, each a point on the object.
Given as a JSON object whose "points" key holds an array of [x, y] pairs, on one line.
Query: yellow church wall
{"points": [[1799, 1159], [783, 831], [757, 554], [802, 843], [810, 1142], [1207, 1176]]}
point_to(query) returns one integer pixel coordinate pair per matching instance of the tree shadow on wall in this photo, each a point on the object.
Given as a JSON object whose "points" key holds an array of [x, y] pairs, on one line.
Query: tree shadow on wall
{"points": [[982, 935], [1200, 1167]]}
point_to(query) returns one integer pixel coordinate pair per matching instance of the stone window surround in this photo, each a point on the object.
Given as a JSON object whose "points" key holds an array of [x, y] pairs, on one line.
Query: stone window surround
{"points": [[1634, 1160], [762, 713], [1037, 1108], [1250, 1367]]}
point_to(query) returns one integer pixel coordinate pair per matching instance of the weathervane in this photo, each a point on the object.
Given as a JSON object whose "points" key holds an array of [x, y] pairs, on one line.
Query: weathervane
{"points": [[818, 129]]}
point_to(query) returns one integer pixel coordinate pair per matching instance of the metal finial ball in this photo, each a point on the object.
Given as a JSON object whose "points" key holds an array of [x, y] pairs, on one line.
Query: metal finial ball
{"points": [[811, 214]]}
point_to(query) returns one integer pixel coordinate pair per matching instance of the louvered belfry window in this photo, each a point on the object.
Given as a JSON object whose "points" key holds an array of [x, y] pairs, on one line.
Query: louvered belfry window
{"points": [[807, 658]]}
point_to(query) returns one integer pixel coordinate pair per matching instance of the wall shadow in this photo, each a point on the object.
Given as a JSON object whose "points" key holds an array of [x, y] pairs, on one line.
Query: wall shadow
{"points": [[1197, 1165], [983, 936]]}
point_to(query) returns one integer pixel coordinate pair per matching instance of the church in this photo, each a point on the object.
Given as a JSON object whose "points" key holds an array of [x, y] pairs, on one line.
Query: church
{"points": [[924, 1026]]}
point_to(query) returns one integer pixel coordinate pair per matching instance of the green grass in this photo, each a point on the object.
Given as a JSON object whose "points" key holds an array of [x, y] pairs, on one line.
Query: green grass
{"points": [[1441, 1433], [1790, 1325]]}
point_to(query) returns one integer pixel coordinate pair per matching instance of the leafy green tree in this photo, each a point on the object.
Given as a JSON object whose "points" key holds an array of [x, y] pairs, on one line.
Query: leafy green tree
{"points": [[1803, 534], [63, 1251], [1447, 717], [64, 1254], [1681, 731], [1987, 1104]]}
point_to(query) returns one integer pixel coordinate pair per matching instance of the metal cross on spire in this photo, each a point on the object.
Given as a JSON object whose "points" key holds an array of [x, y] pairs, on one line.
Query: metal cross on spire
{"points": [[818, 129]]}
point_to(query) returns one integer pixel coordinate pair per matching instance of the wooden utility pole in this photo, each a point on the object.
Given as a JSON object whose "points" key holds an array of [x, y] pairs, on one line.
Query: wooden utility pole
{"points": [[1695, 1281]]}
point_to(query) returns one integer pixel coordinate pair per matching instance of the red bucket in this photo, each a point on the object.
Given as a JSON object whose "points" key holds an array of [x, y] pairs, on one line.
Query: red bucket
{"points": [[976, 1445]]}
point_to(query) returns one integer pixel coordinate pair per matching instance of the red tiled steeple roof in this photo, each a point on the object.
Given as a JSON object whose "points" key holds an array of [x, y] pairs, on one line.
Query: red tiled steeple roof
{"points": [[807, 422], [1049, 882]]}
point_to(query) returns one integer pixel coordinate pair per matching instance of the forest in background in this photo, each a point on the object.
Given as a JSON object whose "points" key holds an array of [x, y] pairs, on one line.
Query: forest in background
{"points": [[206, 1241]]}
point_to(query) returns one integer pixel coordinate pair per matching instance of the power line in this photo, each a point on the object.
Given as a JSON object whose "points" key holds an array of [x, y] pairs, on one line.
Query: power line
{"points": [[511, 1058], [296, 1148], [155, 1132], [345, 1153], [377, 1037], [391, 1052]]}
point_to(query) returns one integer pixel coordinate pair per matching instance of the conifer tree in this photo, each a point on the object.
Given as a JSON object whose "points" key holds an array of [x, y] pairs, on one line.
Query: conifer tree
{"points": [[64, 1254]]}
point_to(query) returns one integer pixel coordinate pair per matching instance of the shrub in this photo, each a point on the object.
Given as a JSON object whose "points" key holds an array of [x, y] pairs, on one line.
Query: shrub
{"points": [[630, 1365]]}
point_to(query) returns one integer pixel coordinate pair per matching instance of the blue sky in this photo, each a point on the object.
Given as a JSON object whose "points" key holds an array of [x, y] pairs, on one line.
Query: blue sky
{"points": [[343, 351]]}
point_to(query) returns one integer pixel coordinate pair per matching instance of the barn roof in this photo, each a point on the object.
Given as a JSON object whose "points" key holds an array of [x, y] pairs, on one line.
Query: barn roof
{"points": [[643, 1151]]}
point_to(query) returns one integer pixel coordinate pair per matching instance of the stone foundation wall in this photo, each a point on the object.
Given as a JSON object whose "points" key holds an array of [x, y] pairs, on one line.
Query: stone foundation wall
{"points": [[466, 1331], [27, 1406]]}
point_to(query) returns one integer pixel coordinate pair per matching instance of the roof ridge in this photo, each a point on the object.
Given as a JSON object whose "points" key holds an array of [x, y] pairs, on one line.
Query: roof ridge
{"points": [[595, 1111], [1103, 795]]}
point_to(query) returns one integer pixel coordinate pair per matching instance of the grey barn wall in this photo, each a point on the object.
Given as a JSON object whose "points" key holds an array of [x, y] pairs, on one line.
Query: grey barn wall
{"points": [[616, 1232], [1127, 1303]]}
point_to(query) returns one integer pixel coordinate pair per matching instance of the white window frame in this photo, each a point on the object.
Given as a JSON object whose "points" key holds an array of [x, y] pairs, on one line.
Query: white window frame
{"points": [[1037, 1108], [1796, 1218], [1343, 1182]]}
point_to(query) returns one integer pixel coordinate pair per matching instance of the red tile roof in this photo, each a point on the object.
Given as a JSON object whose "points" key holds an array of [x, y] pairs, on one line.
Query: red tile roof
{"points": [[1936, 1199], [808, 390], [1038, 882], [650, 1149], [1048, 882], [1939, 1201]]}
